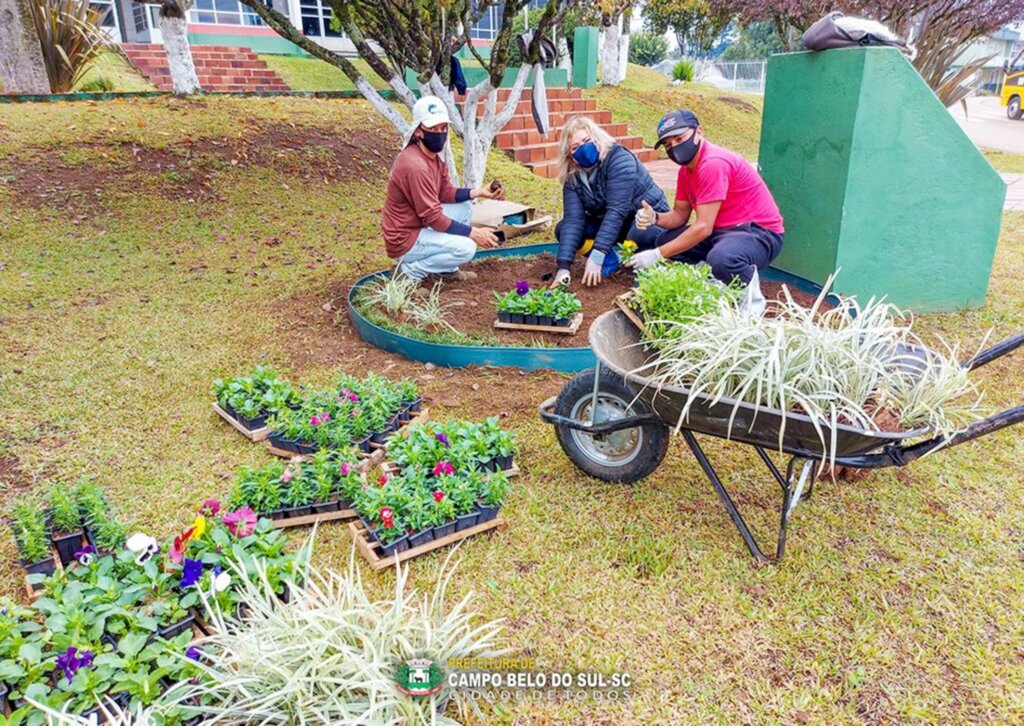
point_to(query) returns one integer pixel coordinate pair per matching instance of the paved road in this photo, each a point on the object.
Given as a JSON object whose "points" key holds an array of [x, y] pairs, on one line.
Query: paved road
{"points": [[988, 127]]}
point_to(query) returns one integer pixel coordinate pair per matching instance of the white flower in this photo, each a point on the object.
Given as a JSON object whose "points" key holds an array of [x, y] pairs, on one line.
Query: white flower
{"points": [[141, 542], [221, 582]]}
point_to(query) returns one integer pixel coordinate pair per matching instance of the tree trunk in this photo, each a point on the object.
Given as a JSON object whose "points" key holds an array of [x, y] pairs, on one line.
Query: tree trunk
{"points": [[623, 53], [479, 134], [564, 57], [610, 54], [21, 57], [184, 80]]}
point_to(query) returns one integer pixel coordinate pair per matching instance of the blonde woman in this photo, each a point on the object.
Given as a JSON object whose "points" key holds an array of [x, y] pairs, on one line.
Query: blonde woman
{"points": [[604, 185]]}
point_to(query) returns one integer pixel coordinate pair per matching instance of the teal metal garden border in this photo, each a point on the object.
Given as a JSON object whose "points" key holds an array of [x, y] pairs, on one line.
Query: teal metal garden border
{"points": [[565, 360]]}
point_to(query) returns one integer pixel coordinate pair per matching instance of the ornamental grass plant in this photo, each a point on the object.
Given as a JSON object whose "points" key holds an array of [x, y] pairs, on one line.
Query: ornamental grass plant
{"points": [[329, 655], [846, 365]]}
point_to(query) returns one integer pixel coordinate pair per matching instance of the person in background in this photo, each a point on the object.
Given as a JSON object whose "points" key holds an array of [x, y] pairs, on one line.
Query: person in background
{"points": [[603, 185], [426, 220], [738, 228]]}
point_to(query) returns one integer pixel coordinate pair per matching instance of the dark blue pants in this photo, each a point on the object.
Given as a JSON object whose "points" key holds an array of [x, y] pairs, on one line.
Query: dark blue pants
{"points": [[644, 240], [731, 252]]}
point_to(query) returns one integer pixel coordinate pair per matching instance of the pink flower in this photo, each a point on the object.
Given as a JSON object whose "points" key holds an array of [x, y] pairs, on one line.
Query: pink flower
{"points": [[180, 544], [349, 395], [287, 476], [387, 517], [210, 508], [241, 522], [438, 495], [325, 417], [345, 468], [444, 467], [382, 480], [315, 421]]}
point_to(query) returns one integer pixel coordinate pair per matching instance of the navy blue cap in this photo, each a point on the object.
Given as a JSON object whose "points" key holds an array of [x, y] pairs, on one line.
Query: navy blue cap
{"points": [[674, 123]]}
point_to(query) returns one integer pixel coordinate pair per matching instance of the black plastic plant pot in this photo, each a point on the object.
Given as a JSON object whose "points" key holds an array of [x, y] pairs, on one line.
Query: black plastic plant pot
{"points": [[279, 441], [344, 503], [516, 318], [293, 512], [504, 317], [3, 697], [563, 322], [275, 514], [416, 406], [403, 414], [305, 447], [544, 320], [396, 423], [378, 437], [67, 545], [395, 546], [325, 507], [504, 462], [530, 319], [176, 629], [256, 422], [422, 537], [486, 513], [363, 444], [465, 521], [43, 567], [443, 530]]}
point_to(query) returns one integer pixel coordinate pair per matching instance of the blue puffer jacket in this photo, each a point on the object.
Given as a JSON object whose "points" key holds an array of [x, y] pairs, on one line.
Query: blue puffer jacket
{"points": [[617, 186]]}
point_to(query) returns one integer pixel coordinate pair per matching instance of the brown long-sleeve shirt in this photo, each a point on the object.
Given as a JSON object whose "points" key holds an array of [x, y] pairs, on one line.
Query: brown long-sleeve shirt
{"points": [[419, 184]]}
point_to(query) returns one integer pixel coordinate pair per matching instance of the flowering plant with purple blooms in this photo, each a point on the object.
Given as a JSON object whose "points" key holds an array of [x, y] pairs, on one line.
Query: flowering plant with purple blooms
{"points": [[555, 304], [522, 287]]}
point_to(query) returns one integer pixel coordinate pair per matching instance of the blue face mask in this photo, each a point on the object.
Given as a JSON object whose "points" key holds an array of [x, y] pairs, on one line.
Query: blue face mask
{"points": [[587, 155]]}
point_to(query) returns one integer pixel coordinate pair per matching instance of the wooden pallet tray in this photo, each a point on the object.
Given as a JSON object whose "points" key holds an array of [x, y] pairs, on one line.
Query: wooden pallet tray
{"points": [[622, 301], [370, 549], [253, 435], [367, 460], [315, 518], [577, 321]]}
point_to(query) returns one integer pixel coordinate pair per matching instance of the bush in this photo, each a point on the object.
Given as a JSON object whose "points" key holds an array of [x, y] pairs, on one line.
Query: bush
{"points": [[100, 84], [70, 37], [683, 71], [647, 48]]}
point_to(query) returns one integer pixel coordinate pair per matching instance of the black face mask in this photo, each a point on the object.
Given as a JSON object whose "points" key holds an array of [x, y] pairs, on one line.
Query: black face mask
{"points": [[435, 140], [683, 153]]}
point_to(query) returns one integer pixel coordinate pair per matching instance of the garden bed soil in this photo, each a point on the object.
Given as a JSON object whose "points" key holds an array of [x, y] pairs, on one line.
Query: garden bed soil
{"points": [[473, 311]]}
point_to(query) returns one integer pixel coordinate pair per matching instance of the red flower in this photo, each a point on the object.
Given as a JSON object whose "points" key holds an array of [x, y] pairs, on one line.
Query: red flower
{"points": [[180, 545], [382, 480], [438, 495], [387, 517], [444, 467]]}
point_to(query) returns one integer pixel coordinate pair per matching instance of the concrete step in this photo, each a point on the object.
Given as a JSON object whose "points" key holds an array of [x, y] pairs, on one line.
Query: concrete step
{"points": [[549, 151], [524, 122], [554, 106], [530, 137], [219, 68], [527, 94]]}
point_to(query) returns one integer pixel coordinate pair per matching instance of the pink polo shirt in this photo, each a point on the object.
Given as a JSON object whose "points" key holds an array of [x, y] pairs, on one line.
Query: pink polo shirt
{"points": [[725, 176]]}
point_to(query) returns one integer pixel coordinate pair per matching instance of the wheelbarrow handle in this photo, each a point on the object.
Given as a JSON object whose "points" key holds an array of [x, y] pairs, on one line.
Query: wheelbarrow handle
{"points": [[547, 413], [996, 351]]}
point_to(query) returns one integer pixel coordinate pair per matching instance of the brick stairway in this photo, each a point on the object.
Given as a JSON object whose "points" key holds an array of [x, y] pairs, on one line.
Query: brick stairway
{"points": [[220, 68], [519, 137]]}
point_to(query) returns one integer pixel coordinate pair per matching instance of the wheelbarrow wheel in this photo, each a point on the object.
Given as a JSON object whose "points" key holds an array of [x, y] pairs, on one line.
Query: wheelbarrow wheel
{"points": [[624, 456]]}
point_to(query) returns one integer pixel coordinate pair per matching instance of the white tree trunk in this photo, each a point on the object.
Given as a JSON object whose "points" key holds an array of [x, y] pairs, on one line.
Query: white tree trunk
{"points": [[623, 58], [610, 54], [480, 133], [564, 57], [21, 58], [184, 80]]}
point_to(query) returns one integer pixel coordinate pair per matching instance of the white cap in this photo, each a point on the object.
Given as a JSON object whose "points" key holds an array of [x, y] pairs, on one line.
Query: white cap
{"points": [[428, 111]]}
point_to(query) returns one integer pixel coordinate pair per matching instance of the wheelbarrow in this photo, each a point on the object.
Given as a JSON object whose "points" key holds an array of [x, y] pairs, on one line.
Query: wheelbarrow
{"points": [[614, 424]]}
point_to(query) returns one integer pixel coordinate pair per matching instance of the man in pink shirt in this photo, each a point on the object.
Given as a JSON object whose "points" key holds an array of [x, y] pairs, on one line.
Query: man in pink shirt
{"points": [[737, 229]]}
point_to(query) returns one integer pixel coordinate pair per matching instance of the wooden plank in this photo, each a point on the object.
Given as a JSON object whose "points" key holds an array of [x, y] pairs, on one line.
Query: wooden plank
{"points": [[368, 549], [315, 518], [254, 435], [577, 321], [622, 301]]}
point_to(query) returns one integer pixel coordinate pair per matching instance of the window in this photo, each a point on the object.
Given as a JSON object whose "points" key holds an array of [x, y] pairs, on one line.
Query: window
{"points": [[224, 12], [316, 19], [106, 9], [489, 25]]}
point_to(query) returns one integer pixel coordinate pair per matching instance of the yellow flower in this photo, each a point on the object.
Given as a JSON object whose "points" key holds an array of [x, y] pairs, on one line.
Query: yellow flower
{"points": [[198, 527], [629, 245]]}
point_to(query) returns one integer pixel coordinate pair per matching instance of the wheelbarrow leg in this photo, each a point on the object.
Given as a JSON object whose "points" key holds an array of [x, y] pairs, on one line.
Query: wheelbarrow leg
{"points": [[791, 496]]}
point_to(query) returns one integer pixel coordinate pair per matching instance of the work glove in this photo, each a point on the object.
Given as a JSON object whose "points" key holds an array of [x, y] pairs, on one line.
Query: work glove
{"points": [[640, 260], [561, 278], [592, 272], [645, 216]]}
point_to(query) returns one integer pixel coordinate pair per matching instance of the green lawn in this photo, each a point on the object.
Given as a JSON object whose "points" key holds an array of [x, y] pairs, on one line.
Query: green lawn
{"points": [[148, 247], [1006, 162]]}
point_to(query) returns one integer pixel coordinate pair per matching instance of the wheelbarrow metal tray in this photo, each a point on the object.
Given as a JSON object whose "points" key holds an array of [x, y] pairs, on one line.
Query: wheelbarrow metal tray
{"points": [[616, 343]]}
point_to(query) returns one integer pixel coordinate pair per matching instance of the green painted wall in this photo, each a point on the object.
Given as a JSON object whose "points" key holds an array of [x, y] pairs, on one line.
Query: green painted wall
{"points": [[258, 43], [873, 175], [584, 57]]}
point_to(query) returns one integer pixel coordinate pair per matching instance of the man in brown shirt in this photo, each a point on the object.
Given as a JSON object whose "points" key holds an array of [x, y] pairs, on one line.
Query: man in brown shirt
{"points": [[426, 220]]}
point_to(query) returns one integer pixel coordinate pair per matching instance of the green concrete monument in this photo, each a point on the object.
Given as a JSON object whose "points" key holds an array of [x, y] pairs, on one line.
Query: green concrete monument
{"points": [[584, 57], [874, 176]]}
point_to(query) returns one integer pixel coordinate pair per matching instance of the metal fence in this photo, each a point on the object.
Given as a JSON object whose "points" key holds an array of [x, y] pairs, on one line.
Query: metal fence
{"points": [[745, 76]]}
